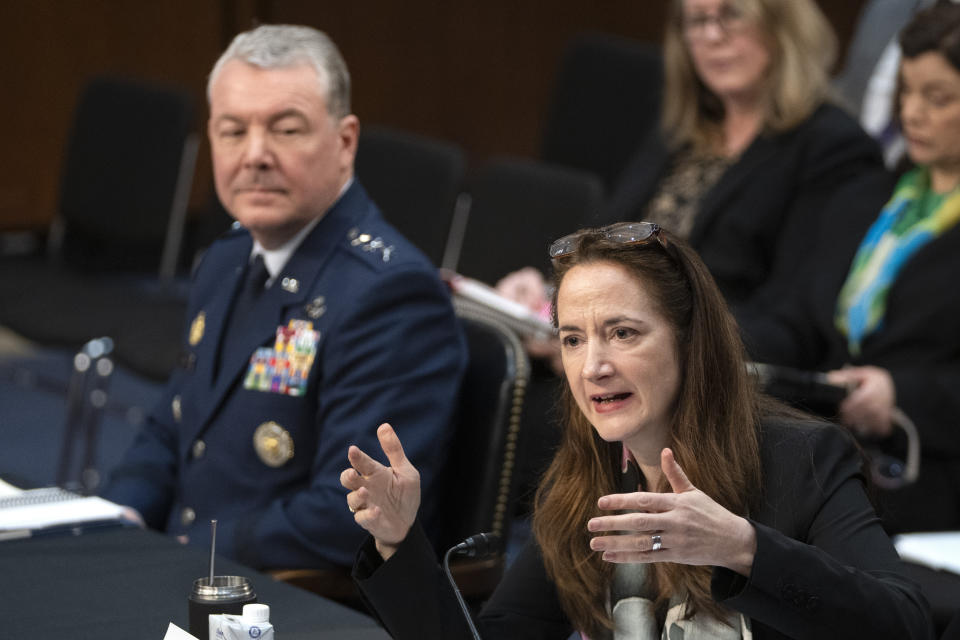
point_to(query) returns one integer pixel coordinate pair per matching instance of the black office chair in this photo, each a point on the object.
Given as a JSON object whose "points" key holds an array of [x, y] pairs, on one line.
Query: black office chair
{"points": [[484, 456], [415, 180], [606, 97], [114, 244], [517, 207], [127, 177], [480, 462]]}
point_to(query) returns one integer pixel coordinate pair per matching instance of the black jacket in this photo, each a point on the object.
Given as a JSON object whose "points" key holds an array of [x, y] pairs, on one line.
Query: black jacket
{"points": [[755, 228], [824, 568], [918, 343]]}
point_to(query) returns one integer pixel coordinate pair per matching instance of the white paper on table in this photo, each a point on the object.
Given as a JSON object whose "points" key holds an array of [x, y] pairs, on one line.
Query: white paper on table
{"points": [[937, 550], [176, 633], [7, 490], [50, 507]]}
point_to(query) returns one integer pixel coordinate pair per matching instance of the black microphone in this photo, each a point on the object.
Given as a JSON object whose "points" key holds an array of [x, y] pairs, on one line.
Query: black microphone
{"points": [[476, 546], [479, 545]]}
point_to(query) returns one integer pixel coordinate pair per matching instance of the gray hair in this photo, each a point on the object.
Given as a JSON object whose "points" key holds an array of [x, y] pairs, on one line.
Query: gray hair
{"points": [[273, 46]]}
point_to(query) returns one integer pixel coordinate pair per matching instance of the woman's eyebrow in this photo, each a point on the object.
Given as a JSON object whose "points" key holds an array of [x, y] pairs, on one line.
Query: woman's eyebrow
{"points": [[606, 323]]}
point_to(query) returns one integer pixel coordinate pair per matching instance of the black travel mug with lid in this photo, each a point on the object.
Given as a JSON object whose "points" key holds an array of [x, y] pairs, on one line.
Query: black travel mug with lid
{"points": [[226, 594]]}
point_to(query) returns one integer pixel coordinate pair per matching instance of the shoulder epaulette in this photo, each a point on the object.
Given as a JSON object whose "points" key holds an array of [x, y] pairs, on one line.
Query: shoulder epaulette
{"points": [[370, 243]]}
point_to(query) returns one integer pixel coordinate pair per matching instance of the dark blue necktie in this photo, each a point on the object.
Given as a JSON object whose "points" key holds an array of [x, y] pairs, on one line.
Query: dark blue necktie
{"points": [[239, 322]]}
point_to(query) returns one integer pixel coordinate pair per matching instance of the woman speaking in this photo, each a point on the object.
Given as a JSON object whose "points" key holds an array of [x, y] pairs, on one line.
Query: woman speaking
{"points": [[681, 503]]}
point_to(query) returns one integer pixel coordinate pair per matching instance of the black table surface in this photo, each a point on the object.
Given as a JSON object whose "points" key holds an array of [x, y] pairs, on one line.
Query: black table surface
{"points": [[126, 583], [942, 590]]}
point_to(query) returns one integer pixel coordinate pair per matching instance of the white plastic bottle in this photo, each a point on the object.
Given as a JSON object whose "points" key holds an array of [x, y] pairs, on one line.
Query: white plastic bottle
{"points": [[256, 621]]}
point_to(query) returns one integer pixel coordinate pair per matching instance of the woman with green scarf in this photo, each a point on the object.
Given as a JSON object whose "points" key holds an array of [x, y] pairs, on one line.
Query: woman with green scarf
{"points": [[893, 337]]}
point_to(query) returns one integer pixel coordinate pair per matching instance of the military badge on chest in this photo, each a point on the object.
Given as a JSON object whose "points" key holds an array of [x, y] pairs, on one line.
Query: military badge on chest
{"points": [[316, 307], [273, 444], [197, 327], [285, 367]]}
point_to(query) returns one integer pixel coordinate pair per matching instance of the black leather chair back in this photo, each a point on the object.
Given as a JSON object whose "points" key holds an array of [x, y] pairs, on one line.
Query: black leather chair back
{"points": [[126, 178], [517, 208], [606, 97], [479, 481], [415, 181], [122, 176]]}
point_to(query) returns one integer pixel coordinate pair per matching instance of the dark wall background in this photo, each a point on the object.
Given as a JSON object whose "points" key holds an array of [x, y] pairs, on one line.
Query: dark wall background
{"points": [[477, 72]]}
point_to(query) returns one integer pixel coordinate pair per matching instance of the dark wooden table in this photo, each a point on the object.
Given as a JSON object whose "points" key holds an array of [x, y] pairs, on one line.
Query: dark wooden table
{"points": [[124, 583]]}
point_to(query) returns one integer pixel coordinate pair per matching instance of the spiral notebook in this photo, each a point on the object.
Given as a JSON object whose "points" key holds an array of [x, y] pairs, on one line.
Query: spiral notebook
{"points": [[27, 512]]}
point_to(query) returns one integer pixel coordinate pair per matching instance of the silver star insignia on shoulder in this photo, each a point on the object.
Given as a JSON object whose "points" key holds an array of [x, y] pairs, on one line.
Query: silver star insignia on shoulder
{"points": [[368, 243]]}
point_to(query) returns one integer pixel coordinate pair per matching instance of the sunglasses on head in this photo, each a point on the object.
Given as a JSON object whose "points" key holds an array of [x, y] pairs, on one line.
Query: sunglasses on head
{"points": [[621, 232]]}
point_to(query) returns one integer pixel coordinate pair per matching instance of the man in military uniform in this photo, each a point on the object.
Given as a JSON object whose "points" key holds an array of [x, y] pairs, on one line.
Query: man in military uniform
{"points": [[310, 323]]}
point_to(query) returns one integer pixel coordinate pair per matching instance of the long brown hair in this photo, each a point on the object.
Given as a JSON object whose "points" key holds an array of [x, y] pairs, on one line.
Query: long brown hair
{"points": [[714, 431], [803, 47]]}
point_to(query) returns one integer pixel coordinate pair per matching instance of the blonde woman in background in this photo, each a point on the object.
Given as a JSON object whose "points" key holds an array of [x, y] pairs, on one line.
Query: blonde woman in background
{"points": [[750, 158]]}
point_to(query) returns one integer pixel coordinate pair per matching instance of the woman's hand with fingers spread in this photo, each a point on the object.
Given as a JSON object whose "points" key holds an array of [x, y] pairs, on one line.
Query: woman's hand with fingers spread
{"points": [[384, 500], [686, 526]]}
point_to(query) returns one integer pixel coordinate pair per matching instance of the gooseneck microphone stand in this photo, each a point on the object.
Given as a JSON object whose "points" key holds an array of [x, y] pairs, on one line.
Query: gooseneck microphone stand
{"points": [[476, 546]]}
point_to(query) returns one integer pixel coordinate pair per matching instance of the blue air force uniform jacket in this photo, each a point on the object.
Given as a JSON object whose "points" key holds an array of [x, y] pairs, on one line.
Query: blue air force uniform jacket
{"points": [[263, 455]]}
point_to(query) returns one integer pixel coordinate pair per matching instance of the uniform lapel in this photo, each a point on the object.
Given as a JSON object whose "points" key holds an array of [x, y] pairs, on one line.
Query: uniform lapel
{"points": [[215, 307]]}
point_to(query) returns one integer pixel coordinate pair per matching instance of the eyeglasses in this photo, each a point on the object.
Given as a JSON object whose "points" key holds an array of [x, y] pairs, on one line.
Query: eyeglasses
{"points": [[621, 232], [730, 20]]}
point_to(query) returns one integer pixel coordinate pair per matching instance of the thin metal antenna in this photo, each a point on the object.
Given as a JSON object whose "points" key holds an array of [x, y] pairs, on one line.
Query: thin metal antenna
{"points": [[213, 547]]}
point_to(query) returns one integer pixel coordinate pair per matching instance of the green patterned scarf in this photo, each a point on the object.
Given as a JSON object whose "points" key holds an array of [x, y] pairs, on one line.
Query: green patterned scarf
{"points": [[914, 216]]}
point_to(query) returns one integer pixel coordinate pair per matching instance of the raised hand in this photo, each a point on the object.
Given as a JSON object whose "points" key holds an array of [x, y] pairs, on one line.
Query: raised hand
{"points": [[383, 500], [690, 527]]}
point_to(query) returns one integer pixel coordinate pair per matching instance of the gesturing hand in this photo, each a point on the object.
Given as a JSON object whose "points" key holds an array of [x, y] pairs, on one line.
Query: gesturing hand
{"points": [[384, 500], [690, 526]]}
